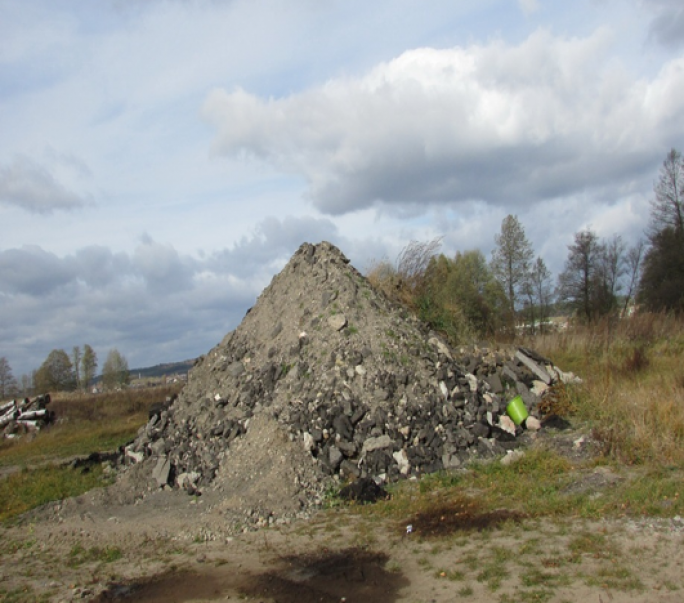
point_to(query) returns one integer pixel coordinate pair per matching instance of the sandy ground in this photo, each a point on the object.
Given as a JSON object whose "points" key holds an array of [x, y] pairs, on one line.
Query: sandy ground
{"points": [[175, 548], [114, 544]]}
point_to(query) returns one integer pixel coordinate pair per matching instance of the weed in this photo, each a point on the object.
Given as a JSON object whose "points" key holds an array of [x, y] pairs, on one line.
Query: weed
{"points": [[351, 330], [453, 575], [492, 574], [80, 555], [535, 577], [466, 591], [527, 596]]}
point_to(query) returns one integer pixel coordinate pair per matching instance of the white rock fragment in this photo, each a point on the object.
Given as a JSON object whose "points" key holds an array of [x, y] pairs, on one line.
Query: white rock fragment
{"points": [[402, 461], [136, 457], [579, 442], [539, 388], [441, 347], [507, 424], [444, 389], [308, 441], [472, 381], [512, 456], [532, 423]]}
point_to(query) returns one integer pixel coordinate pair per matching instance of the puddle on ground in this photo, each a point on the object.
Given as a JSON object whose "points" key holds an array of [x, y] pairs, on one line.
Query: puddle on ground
{"points": [[461, 516], [326, 577]]}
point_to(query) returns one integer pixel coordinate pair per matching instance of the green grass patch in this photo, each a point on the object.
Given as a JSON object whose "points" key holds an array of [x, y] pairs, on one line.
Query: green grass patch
{"points": [[72, 439], [80, 555], [28, 489]]}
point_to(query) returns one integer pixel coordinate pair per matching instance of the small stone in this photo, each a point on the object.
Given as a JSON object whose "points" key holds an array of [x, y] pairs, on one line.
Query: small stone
{"points": [[236, 369], [337, 322], [308, 441], [136, 457], [444, 389], [402, 461], [161, 471], [532, 423], [507, 424], [335, 457], [539, 388], [371, 444]]}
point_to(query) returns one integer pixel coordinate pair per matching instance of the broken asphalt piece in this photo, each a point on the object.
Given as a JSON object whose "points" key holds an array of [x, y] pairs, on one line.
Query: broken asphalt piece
{"points": [[363, 490]]}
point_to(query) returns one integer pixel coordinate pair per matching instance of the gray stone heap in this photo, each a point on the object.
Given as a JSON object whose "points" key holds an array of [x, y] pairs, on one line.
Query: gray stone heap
{"points": [[359, 383]]}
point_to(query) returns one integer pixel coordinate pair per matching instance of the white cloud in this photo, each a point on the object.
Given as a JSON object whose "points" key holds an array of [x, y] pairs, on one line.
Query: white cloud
{"points": [[529, 6], [29, 185], [498, 123], [154, 304]]}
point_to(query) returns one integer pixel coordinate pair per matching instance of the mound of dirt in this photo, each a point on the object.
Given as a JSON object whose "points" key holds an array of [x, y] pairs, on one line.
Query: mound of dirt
{"points": [[325, 380]]}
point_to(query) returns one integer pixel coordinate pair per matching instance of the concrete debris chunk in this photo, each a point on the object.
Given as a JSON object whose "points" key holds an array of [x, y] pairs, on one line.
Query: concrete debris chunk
{"points": [[534, 367]]}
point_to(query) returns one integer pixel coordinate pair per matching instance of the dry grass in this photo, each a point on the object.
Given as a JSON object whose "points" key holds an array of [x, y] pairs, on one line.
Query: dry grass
{"points": [[404, 282], [633, 390], [85, 423]]}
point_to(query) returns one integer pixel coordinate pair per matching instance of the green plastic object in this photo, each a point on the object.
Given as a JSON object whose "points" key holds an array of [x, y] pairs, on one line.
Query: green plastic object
{"points": [[516, 410]]}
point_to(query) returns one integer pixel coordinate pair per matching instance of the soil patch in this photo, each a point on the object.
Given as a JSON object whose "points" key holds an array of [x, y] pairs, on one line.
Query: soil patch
{"points": [[352, 574], [460, 516]]}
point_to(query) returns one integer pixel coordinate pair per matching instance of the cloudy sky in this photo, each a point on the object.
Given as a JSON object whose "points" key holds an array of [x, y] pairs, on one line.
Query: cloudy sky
{"points": [[160, 160]]}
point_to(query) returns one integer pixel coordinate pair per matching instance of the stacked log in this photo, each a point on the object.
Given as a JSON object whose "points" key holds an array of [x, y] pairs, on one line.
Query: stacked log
{"points": [[25, 415]]}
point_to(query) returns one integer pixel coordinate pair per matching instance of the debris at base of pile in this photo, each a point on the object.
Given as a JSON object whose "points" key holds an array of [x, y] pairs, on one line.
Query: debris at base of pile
{"points": [[363, 490], [324, 379], [18, 417]]}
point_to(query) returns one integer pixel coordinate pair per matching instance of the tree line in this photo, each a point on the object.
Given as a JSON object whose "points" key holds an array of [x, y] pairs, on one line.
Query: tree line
{"points": [[466, 296], [63, 372]]}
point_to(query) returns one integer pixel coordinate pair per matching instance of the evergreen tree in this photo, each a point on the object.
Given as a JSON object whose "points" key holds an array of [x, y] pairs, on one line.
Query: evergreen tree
{"points": [[579, 285], [511, 260]]}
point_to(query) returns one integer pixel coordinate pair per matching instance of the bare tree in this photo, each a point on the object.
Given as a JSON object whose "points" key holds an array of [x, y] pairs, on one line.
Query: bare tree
{"points": [[613, 265], [8, 384], [26, 385], [540, 291], [511, 259], [76, 363], [662, 279], [667, 207], [633, 263]]}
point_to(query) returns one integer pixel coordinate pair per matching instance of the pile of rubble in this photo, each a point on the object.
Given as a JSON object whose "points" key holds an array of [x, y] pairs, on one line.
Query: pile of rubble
{"points": [[358, 384], [18, 417]]}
